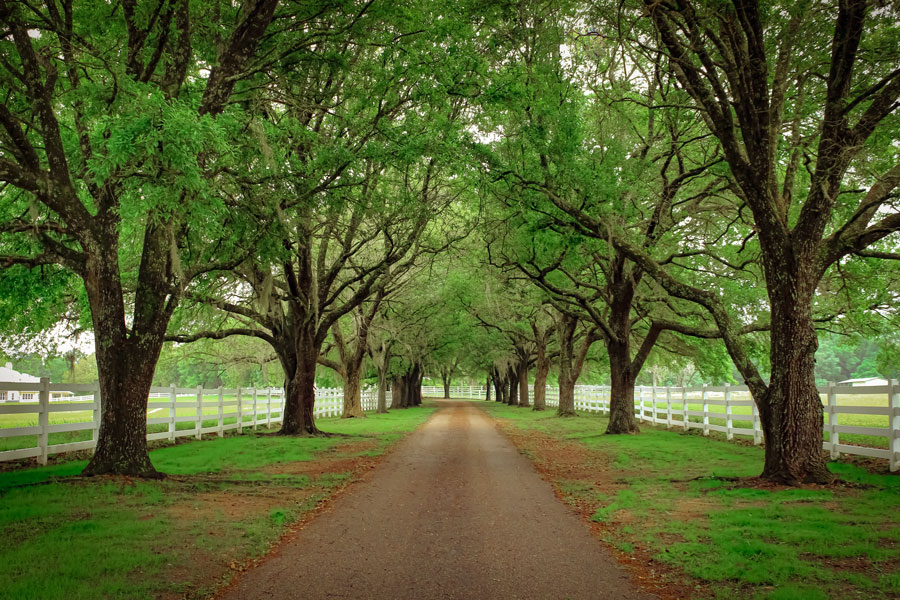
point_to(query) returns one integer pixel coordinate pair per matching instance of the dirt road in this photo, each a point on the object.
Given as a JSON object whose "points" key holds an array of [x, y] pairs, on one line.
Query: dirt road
{"points": [[454, 512]]}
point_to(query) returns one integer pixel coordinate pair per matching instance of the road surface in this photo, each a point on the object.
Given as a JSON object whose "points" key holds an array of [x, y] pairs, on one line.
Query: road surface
{"points": [[454, 512]]}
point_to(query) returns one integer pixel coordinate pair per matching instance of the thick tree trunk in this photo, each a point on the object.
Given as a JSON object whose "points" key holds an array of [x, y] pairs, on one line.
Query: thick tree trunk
{"points": [[621, 393], [398, 393], [300, 393], [382, 392], [352, 397], [445, 378], [523, 382], [487, 388], [542, 369], [791, 410], [125, 363], [501, 385], [513, 398], [567, 376], [125, 380], [498, 385], [418, 376], [566, 395]]}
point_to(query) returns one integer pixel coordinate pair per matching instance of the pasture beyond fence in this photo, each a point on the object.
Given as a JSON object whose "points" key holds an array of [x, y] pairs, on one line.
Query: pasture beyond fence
{"points": [[43, 427], [870, 411]]}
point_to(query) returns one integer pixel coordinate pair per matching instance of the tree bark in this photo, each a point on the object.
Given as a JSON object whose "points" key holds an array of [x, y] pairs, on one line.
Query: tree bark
{"points": [[382, 392], [300, 393], [487, 388], [621, 393], [566, 325], [352, 397], [542, 369], [513, 398], [445, 378], [522, 376], [623, 369], [125, 363], [398, 393], [125, 380], [791, 410], [503, 391]]}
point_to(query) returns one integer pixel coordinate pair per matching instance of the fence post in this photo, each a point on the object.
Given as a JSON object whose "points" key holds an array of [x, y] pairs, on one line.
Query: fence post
{"points": [[255, 392], [268, 407], [668, 407], [97, 415], [894, 403], [240, 411], [705, 410], [641, 404], [757, 426], [173, 397], [653, 396], [221, 419], [729, 434], [199, 411], [44, 419], [833, 436]]}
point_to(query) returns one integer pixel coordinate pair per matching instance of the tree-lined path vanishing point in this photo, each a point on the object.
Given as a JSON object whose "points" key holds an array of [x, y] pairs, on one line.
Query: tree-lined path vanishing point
{"points": [[454, 512]]}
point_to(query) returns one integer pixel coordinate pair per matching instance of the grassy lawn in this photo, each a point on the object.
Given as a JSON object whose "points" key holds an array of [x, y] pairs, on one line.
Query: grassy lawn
{"points": [[224, 503], [664, 499]]}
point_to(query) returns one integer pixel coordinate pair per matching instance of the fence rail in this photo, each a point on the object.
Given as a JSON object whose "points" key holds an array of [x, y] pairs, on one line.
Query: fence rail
{"points": [[204, 411], [730, 410]]}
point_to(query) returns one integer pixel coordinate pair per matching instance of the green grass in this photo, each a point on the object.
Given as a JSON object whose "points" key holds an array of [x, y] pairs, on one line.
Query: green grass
{"points": [[70, 538], [669, 493]]}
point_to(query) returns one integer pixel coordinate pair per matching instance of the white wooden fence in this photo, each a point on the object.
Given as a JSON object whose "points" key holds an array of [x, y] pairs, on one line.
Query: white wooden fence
{"points": [[672, 407], [249, 408]]}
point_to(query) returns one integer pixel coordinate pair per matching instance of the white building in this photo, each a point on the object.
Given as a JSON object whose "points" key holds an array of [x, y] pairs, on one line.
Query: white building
{"points": [[8, 379], [864, 381]]}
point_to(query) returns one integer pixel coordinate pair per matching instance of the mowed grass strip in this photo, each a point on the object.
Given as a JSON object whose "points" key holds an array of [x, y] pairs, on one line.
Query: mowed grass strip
{"points": [[666, 497], [225, 502]]}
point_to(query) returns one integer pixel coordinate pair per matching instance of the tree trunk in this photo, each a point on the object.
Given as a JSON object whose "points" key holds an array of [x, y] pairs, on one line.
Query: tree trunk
{"points": [[445, 378], [540, 380], [501, 386], [382, 392], [513, 398], [398, 393], [125, 379], [621, 393], [352, 397], [522, 376], [125, 363], [487, 388], [418, 376], [566, 328], [791, 409], [300, 393]]}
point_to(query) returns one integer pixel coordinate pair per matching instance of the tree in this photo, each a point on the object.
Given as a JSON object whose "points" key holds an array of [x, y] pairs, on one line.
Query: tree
{"points": [[581, 132], [110, 142], [818, 196]]}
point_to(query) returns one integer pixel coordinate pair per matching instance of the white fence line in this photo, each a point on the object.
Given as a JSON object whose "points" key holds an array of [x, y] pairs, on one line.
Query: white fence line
{"points": [[671, 406], [168, 406]]}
